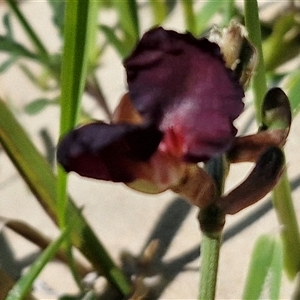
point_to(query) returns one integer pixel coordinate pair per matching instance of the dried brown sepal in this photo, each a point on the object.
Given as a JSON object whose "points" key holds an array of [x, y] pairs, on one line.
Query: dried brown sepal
{"points": [[261, 180], [197, 187], [237, 51]]}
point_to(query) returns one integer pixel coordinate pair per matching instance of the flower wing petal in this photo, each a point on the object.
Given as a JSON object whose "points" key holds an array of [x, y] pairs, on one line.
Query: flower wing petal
{"points": [[108, 152]]}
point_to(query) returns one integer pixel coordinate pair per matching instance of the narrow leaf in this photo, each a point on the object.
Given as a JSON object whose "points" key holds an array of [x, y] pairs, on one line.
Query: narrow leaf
{"points": [[23, 286], [14, 48], [259, 266], [7, 63], [39, 239], [276, 270], [6, 283], [292, 85], [289, 44], [31, 34], [190, 19], [115, 41], [80, 24], [7, 26], [207, 11], [128, 17], [37, 106], [38, 175], [283, 203], [58, 12], [159, 11]]}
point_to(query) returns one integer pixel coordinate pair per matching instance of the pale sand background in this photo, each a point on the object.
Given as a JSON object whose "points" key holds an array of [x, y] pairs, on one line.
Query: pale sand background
{"points": [[123, 219]]}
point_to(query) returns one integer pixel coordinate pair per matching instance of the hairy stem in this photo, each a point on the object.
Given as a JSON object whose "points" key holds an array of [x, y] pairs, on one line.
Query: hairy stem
{"points": [[210, 248]]}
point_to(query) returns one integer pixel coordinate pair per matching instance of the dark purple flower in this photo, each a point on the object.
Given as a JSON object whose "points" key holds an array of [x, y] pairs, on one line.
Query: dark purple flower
{"points": [[179, 110]]}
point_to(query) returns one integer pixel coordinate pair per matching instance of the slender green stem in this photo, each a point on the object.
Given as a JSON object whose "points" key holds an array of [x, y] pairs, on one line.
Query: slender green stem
{"points": [[211, 222], [210, 248], [282, 199], [259, 79], [29, 31]]}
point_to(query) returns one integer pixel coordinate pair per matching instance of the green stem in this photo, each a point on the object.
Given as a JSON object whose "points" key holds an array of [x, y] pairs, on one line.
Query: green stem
{"points": [[259, 83], [210, 248], [282, 199], [211, 221], [30, 32]]}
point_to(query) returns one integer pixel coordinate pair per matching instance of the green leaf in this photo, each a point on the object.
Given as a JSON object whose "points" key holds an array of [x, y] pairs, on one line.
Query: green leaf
{"points": [[266, 259], [285, 211], [40, 179], [79, 26], [276, 268], [207, 11], [286, 33], [6, 283], [190, 18], [121, 47], [128, 18], [37, 106], [7, 63], [292, 85], [79, 34], [159, 11], [58, 13], [14, 48], [7, 26], [80, 23], [24, 284], [31, 34], [259, 83]]}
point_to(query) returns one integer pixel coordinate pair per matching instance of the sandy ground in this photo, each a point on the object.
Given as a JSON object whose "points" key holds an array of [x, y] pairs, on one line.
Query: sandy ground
{"points": [[123, 219]]}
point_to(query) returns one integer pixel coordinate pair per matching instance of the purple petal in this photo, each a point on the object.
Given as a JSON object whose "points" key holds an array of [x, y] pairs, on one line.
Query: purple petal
{"points": [[108, 152], [182, 84]]}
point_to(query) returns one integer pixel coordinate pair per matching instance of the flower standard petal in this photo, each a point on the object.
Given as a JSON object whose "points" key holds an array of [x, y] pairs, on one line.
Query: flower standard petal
{"points": [[182, 84]]}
